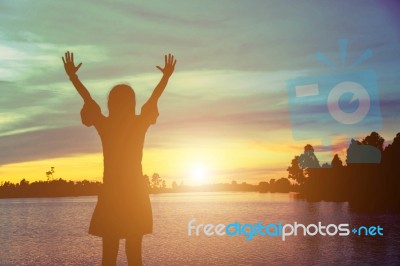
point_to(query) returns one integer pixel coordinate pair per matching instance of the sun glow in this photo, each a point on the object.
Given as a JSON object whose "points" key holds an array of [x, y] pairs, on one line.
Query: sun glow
{"points": [[198, 173]]}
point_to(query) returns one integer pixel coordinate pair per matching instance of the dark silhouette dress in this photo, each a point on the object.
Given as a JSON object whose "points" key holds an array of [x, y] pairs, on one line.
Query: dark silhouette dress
{"points": [[123, 208]]}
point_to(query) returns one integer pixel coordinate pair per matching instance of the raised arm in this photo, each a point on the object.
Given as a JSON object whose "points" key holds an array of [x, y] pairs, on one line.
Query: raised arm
{"points": [[167, 71], [71, 70]]}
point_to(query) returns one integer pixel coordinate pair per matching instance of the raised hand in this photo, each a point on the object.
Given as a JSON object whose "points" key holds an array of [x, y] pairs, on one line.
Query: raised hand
{"points": [[69, 64], [169, 65]]}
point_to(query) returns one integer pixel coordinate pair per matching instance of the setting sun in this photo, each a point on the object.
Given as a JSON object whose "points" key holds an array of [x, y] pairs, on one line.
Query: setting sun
{"points": [[198, 173]]}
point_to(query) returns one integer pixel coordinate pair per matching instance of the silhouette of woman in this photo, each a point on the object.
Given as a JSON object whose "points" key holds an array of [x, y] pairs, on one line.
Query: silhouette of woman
{"points": [[123, 209]]}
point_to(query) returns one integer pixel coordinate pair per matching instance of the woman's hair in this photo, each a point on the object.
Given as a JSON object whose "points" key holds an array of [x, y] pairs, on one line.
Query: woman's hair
{"points": [[121, 101]]}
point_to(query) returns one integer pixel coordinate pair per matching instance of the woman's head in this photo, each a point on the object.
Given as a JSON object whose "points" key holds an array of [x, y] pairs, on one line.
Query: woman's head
{"points": [[121, 101]]}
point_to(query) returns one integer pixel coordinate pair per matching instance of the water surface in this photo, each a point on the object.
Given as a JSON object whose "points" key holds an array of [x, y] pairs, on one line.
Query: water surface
{"points": [[53, 231]]}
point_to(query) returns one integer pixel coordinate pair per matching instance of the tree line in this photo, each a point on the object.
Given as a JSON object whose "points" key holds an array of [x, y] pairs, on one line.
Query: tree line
{"points": [[369, 180], [53, 187]]}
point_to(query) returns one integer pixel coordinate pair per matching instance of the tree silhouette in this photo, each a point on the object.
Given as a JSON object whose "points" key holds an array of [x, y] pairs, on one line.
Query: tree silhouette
{"points": [[156, 181], [52, 188], [308, 158], [369, 181], [282, 185], [336, 162], [23, 183], [368, 151], [375, 140], [296, 172], [50, 173]]}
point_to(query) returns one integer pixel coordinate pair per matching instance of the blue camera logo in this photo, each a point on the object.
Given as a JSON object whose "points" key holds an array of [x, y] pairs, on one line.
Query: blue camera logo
{"points": [[339, 103]]}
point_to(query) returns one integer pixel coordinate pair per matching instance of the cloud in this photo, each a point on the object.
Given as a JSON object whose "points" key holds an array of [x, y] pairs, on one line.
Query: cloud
{"points": [[48, 143], [234, 58], [206, 35], [224, 106]]}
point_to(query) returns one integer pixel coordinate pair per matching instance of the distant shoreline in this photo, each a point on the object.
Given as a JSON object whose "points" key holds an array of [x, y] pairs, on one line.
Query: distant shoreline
{"points": [[63, 188], [157, 193]]}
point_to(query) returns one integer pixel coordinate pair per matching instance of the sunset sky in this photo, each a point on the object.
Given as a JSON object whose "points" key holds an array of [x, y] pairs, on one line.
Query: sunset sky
{"points": [[225, 112]]}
